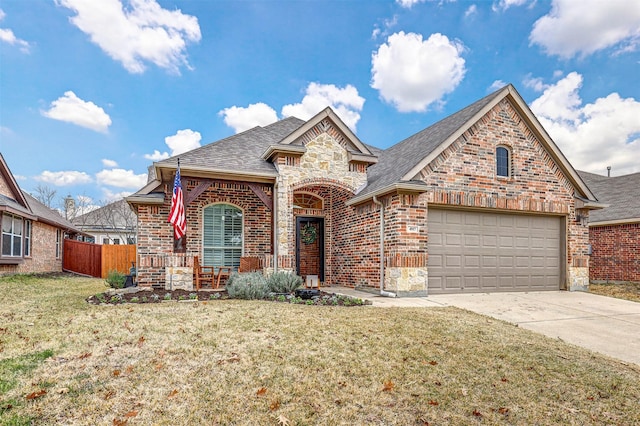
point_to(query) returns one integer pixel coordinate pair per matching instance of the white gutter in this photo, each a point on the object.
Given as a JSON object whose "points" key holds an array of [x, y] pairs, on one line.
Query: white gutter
{"points": [[382, 291]]}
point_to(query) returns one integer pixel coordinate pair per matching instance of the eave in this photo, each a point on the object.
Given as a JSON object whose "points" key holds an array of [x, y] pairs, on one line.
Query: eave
{"points": [[410, 187], [615, 222], [274, 150]]}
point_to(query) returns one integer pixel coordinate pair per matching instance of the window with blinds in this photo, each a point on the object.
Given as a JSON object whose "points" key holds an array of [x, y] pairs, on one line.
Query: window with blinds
{"points": [[222, 236]]}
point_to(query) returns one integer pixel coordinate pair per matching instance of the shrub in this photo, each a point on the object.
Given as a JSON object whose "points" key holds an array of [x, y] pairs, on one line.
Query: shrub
{"points": [[284, 282], [247, 286], [116, 279]]}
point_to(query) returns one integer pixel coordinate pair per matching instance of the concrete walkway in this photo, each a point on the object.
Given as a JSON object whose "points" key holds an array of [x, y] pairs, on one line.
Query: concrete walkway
{"points": [[602, 324]]}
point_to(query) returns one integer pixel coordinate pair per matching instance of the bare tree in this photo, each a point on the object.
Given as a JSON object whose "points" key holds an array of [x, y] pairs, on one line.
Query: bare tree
{"points": [[113, 220], [45, 194]]}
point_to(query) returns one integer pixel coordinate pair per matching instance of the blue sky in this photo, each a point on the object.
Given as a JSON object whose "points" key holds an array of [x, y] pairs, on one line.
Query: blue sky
{"points": [[92, 92]]}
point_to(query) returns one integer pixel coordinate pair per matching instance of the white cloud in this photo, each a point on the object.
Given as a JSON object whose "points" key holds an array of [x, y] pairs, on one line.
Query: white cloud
{"points": [[344, 101], [471, 10], [138, 33], [121, 178], [595, 135], [110, 196], [183, 141], [7, 36], [412, 74], [64, 178], [157, 155], [408, 3], [497, 84], [584, 27], [72, 109], [241, 119], [535, 83], [109, 163], [387, 24], [502, 5]]}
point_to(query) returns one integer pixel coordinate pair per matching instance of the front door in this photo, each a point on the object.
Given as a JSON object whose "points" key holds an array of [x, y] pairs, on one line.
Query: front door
{"points": [[310, 247]]}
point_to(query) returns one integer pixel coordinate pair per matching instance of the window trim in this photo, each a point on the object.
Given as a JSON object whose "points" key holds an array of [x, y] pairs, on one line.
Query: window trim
{"points": [[12, 236], [27, 226], [242, 228], [509, 174]]}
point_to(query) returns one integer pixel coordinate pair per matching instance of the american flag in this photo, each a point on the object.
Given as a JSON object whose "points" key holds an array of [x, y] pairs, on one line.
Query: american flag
{"points": [[176, 215]]}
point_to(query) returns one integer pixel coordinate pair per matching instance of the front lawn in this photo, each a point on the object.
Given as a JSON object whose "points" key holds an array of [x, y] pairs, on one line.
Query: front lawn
{"points": [[64, 361], [627, 290]]}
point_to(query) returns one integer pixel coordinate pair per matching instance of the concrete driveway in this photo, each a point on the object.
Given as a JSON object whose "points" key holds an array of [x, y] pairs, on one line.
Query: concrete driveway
{"points": [[602, 324]]}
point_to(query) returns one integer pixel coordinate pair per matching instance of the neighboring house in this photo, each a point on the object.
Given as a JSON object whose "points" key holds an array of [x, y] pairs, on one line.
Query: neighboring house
{"points": [[481, 201], [114, 223], [32, 234], [614, 232]]}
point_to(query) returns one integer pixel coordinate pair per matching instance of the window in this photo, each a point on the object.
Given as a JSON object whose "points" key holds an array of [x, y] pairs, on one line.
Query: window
{"points": [[27, 238], [303, 200], [503, 162], [11, 235], [222, 239], [105, 240], [58, 243], [116, 241]]}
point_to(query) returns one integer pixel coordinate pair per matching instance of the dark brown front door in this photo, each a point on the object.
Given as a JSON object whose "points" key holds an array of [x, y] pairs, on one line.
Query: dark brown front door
{"points": [[310, 246]]}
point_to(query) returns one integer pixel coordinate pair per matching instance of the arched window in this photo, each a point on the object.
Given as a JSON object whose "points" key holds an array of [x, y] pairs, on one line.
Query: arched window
{"points": [[304, 200], [503, 161], [222, 236]]}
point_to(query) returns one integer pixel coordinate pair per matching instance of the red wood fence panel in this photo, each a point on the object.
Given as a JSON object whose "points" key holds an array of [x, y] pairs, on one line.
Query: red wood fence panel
{"points": [[82, 258], [117, 258]]}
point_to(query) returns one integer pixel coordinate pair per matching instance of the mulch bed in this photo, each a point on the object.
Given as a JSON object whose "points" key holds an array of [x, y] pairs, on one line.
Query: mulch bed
{"points": [[156, 295]]}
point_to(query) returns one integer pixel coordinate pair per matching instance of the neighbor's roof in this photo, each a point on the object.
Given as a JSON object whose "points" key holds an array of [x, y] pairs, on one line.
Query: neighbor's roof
{"points": [[621, 193], [47, 215]]}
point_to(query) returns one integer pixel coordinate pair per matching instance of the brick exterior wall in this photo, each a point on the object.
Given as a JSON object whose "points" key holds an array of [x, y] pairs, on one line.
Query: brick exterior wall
{"points": [[155, 234], [464, 175], [615, 252], [43, 252]]}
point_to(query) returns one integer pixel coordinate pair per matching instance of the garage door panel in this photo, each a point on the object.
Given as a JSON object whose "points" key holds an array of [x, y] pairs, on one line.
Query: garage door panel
{"points": [[492, 252]]}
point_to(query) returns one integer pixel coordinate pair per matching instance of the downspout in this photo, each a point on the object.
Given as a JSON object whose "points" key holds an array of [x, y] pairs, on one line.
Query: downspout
{"points": [[382, 291], [274, 212]]}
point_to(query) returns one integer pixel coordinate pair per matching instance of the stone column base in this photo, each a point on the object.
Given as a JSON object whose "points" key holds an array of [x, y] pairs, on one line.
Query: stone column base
{"points": [[406, 281], [178, 278], [578, 278]]}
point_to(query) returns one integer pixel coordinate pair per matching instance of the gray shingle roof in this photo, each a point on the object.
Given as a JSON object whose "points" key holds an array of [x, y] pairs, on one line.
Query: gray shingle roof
{"points": [[48, 215], [399, 159], [622, 193], [241, 151]]}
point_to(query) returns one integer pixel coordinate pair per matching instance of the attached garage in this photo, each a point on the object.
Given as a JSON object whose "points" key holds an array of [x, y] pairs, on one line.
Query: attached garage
{"points": [[475, 251]]}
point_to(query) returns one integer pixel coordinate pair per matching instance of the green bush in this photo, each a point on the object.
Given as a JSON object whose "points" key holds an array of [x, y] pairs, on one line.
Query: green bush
{"points": [[247, 286], [283, 282], [116, 279]]}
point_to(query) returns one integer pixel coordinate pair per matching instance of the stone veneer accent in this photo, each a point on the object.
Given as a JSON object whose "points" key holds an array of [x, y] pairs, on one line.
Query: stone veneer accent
{"points": [[323, 170], [178, 278]]}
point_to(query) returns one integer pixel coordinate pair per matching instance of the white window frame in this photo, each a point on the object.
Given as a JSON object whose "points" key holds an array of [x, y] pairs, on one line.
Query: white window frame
{"points": [[12, 235], [229, 247]]}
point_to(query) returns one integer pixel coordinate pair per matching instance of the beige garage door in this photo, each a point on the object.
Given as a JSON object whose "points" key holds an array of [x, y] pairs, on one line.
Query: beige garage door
{"points": [[473, 251]]}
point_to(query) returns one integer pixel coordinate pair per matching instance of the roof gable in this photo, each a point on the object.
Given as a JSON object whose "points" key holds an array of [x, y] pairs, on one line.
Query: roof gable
{"points": [[327, 121], [403, 162], [12, 195]]}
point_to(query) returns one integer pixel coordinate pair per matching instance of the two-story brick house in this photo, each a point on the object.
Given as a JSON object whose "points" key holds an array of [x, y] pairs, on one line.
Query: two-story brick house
{"points": [[481, 201]]}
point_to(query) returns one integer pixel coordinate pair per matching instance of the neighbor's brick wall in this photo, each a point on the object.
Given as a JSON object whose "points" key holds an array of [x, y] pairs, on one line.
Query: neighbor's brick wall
{"points": [[155, 234], [615, 252], [4, 189], [43, 252]]}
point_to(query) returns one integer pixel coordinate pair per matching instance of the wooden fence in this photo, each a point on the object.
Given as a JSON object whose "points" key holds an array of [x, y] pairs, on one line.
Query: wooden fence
{"points": [[97, 260]]}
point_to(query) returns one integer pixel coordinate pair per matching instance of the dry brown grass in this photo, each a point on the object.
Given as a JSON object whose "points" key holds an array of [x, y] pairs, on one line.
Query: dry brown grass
{"points": [[628, 290], [241, 362]]}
